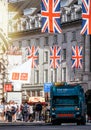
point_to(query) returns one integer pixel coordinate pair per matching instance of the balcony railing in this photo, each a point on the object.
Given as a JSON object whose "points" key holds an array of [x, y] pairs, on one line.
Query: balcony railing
{"points": [[30, 22]]}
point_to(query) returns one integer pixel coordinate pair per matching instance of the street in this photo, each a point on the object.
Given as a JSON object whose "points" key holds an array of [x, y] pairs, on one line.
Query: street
{"points": [[46, 127]]}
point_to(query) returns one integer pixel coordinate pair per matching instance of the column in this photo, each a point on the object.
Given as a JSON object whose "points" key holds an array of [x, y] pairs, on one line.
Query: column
{"points": [[87, 53]]}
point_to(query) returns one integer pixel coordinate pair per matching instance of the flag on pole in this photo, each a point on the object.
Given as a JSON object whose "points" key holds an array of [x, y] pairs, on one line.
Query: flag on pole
{"points": [[50, 12], [55, 56], [21, 73], [86, 17], [77, 57]]}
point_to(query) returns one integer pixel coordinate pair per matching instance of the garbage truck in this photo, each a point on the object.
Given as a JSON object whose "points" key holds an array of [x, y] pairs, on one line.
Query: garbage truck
{"points": [[67, 104]]}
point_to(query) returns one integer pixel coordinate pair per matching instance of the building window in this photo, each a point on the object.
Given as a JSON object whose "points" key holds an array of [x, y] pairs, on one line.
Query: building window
{"points": [[46, 56], [28, 42], [64, 38], [55, 71], [51, 75], [55, 40], [46, 41], [46, 75], [38, 93], [42, 93], [20, 44], [28, 93], [64, 54], [36, 76], [33, 93], [64, 74], [37, 41], [73, 35]]}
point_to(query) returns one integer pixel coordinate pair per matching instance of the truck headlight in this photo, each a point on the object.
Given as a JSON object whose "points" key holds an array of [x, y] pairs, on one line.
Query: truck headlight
{"points": [[53, 109], [77, 108]]}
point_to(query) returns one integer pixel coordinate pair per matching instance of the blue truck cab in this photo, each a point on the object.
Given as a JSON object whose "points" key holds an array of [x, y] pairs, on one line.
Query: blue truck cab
{"points": [[67, 104]]}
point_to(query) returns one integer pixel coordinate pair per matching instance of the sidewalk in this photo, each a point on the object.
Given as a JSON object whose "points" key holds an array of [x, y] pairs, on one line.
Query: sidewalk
{"points": [[22, 123]]}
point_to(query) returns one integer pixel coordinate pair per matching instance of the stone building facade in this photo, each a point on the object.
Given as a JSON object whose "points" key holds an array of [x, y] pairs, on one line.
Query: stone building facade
{"points": [[4, 42], [26, 31]]}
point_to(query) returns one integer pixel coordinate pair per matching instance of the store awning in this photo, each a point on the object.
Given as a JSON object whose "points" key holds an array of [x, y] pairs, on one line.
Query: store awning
{"points": [[36, 99]]}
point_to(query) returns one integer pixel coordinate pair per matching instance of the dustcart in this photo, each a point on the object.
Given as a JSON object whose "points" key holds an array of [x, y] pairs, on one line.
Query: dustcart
{"points": [[67, 104]]}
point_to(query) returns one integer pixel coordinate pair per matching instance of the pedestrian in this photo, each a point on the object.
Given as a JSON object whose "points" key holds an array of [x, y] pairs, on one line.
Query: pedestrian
{"points": [[2, 111], [8, 112], [25, 112], [38, 109], [14, 108], [31, 113]]}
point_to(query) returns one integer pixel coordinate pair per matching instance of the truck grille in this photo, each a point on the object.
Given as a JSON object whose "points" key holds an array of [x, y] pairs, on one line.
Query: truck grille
{"points": [[66, 115]]}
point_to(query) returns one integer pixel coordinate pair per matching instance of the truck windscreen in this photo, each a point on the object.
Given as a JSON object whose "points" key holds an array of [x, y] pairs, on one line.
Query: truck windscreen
{"points": [[65, 100]]}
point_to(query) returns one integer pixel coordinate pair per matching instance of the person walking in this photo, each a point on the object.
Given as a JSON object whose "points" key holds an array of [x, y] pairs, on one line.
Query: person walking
{"points": [[31, 113], [38, 109], [2, 107], [25, 112]]}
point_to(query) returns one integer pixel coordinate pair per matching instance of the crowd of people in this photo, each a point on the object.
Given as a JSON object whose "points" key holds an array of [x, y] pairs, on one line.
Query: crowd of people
{"points": [[12, 112]]}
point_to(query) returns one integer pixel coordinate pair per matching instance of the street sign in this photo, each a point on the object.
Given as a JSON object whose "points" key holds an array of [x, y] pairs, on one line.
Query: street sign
{"points": [[47, 87]]}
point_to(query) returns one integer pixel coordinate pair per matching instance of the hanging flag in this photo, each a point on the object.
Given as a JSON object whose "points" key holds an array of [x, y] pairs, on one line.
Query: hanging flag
{"points": [[50, 12], [77, 57], [21, 73], [55, 56], [86, 17], [34, 55]]}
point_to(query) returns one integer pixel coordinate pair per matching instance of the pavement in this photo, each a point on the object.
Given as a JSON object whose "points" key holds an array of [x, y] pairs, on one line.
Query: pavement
{"points": [[35, 123], [19, 123]]}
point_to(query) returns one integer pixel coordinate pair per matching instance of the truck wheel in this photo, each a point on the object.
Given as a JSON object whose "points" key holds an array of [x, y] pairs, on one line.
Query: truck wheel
{"points": [[83, 122], [78, 123], [55, 122]]}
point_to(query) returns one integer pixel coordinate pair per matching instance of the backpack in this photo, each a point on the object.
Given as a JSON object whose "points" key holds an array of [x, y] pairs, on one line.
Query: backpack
{"points": [[13, 110], [25, 109], [38, 107]]}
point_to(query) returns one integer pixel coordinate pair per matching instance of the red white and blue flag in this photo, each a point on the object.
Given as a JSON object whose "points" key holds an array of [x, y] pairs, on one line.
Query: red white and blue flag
{"points": [[86, 17], [34, 54], [77, 57], [55, 56], [50, 12]]}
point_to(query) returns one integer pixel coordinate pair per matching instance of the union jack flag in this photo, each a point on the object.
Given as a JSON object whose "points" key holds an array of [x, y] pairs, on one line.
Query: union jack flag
{"points": [[55, 56], [50, 11], [77, 57], [33, 53], [86, 17]]}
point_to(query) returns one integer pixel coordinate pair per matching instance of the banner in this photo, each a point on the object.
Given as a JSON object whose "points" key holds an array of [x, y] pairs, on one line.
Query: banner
{"points": [[21, 73], [8, 87]]}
